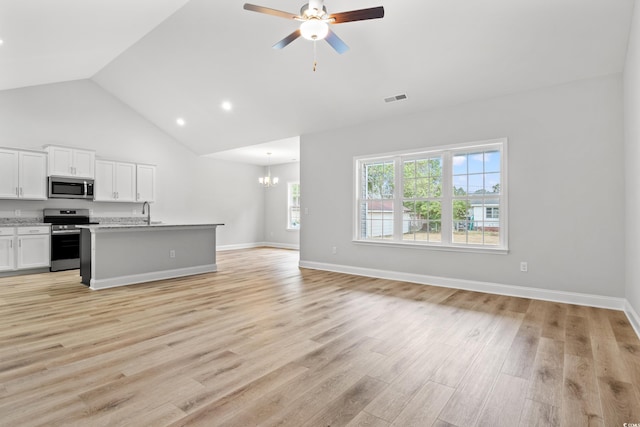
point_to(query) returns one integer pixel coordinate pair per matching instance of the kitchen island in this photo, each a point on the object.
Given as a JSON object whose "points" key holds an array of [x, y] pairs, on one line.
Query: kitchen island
{"points": [[117, 255]]}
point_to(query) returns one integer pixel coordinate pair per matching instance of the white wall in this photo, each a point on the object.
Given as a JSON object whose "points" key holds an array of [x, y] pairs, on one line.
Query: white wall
{"points": [[632, 162], [275, 212], [565, 159], [189, 188]]}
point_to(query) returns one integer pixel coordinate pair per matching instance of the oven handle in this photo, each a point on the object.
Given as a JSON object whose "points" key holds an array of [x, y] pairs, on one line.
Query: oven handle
{"points": [[65, 232]]}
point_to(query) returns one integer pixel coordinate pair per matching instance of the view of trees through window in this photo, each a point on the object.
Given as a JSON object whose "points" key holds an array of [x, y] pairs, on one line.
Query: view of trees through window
{"points": [[414, 198], [293, 220]]}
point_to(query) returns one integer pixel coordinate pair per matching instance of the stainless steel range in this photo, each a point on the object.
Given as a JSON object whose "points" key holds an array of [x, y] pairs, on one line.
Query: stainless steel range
{"points": [[65, 237]]}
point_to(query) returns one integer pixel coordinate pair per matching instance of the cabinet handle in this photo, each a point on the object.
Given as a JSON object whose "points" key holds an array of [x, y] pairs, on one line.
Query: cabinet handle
{"points": [[138, 196], [21, 193], [17, 192], [19, 243], [11, 244]]}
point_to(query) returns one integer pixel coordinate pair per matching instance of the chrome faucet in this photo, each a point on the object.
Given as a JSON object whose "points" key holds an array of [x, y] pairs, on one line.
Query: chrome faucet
{"points": [[148, 212]]}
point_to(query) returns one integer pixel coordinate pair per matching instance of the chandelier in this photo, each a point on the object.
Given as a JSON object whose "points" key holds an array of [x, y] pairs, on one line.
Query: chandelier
{"points": [[268, 181]]}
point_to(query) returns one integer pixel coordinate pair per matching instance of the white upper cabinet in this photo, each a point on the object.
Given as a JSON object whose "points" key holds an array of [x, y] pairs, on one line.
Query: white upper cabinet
{"points": [[33, 175], [126, 182], [104, 188], [71, 162], [23, 175], [9, 187], [146, 175], [115, 181]]}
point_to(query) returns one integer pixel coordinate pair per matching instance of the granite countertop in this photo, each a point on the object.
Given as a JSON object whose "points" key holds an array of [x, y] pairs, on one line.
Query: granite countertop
{"points": [[142, 226], [24, 224]]}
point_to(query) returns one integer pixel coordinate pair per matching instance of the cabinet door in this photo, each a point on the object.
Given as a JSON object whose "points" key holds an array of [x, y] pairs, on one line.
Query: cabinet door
{"points": [[7, 252], [60, 161], [125, 182], [33, 251], [84, 163], [104, 190], [33, 175], [146, 184], [9, 174]]}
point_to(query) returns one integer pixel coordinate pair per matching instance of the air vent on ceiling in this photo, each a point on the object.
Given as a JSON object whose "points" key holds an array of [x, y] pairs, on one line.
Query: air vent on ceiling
{"points": [[396, 98]]}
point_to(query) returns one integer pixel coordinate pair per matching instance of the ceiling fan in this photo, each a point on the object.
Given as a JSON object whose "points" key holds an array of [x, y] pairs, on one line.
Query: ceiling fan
{"points": [[315, 22]]}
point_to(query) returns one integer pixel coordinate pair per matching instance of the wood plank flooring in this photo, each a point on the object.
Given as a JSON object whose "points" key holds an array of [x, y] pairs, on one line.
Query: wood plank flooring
{"points": [[263, 343]]}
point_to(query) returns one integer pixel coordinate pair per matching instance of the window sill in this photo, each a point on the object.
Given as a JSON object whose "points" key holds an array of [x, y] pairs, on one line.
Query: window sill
{"points": [[407, 245], [293, 229]]}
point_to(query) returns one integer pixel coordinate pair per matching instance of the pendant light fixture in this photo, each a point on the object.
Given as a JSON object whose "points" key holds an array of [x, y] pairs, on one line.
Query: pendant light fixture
{"points": [[268, 181]]}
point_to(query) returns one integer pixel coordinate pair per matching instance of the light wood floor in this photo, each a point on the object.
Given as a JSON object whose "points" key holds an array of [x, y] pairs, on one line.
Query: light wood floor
{"points": [[262, 342]]}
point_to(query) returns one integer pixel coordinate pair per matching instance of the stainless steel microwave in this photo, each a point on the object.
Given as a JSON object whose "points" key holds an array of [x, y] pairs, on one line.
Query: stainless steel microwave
{"points": [[70, 188]]}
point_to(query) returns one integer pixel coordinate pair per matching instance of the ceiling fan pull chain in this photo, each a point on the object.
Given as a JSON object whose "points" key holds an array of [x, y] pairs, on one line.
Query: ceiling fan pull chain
{"points": [[315, 61]]}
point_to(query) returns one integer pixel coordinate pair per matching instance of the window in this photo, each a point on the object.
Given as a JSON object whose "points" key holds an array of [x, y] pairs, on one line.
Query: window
{"points": [[441, 197], [293, 208]]}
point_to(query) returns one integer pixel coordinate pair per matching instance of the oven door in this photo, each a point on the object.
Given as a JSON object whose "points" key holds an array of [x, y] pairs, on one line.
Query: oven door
{"points": [[65, 250]]}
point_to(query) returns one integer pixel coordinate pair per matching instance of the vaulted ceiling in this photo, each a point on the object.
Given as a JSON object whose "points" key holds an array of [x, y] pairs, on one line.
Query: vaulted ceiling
{"points": [[177, 58]]}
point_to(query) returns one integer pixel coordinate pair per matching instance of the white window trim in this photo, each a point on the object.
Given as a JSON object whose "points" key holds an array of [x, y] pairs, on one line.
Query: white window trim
{"points": [[289, 228], [446, 245]]}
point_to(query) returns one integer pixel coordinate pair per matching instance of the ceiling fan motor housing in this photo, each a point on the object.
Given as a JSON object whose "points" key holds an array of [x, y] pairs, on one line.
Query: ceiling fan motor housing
{"points": [[313, 10]]}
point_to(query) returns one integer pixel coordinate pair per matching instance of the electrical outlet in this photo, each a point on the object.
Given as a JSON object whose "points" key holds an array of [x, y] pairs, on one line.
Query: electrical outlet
{"points": [[18, 212], [271, 234], [135, 211], [90, 211], [524, 266], [172, 253], [334, 250], [306, 211]]}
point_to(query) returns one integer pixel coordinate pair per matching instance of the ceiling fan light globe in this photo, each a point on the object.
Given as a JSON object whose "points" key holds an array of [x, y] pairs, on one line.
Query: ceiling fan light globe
{"points": [[314, 29]]}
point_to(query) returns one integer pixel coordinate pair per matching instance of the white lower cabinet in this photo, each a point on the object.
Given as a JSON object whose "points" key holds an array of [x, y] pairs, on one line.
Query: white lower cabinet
{"points": [[7, 252], [23, 248]]}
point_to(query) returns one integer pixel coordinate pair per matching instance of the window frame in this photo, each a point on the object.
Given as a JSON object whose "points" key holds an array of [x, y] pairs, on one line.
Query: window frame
{"points": [[447, 152], [290, 185]]}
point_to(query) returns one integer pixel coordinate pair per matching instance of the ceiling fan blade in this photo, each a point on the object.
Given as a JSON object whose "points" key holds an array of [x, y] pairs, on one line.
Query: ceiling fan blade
{"points": [[357, 15], [336, 42], [285, 41], [269, 11]]}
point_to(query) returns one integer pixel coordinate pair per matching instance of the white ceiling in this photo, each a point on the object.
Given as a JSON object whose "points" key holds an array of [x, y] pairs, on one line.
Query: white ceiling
{"points": [[47, 41], [439, 52], [273, 152]]}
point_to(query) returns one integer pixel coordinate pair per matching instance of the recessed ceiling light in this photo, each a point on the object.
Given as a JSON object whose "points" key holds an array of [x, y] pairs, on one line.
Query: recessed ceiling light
{"points": [[180, 121], [1, 42], [226, 105]]}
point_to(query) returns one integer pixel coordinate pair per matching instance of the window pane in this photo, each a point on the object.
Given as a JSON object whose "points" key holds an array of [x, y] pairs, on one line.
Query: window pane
{"points": [[293, 205], [409, 188], [476, 184], [460, 185], [422, 168], [410, 169], [476, 162], [459, 164], [492, 161], [492, 183], [379, 180]]}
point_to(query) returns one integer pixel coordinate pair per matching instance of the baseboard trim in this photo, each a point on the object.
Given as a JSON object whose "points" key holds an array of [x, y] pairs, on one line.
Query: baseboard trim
{"points": [[239, 246], [258, 245], [281, 245], [633, 317], [477, 286], [150, 277]]}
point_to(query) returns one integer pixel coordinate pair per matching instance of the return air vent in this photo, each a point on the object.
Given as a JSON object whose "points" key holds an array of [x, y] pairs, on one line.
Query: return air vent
{"points": [[400, 97]]}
